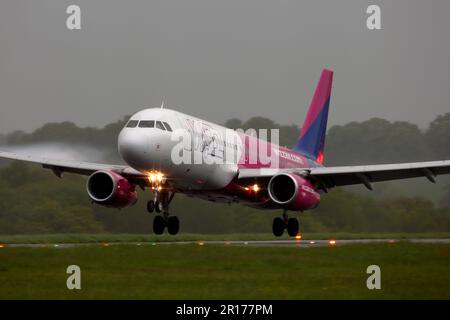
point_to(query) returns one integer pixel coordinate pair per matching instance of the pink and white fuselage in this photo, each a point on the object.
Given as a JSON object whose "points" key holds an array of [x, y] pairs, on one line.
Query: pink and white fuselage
{"points": [[212, 157]]}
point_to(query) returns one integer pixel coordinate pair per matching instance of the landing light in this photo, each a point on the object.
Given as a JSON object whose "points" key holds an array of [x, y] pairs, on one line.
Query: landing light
{"points": [[155, 177], [255, 188]]}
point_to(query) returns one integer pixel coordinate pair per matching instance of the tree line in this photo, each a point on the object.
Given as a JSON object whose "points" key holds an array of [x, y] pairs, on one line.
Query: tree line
{"points": [[33, 200]]}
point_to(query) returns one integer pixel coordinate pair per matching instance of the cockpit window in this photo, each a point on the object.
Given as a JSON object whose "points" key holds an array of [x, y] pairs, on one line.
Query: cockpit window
{"points": [[146, 124], [159, 125], [167, 126], [151, 124], [132, 124]]}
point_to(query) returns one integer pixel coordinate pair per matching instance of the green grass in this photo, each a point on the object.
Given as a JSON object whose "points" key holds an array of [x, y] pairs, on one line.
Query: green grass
{"points": [[409, 271], [99, 238]]}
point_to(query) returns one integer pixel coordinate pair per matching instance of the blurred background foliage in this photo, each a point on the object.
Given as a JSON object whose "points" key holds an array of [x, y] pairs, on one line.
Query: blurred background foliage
{"points": [[34, 201]]}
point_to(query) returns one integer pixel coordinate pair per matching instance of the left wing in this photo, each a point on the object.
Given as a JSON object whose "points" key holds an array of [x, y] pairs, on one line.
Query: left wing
{"points": [[329, 177], [78, 167]]}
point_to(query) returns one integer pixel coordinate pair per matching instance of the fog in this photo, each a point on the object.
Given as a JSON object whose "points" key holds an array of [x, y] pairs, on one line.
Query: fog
{"points": [[221, 59]]}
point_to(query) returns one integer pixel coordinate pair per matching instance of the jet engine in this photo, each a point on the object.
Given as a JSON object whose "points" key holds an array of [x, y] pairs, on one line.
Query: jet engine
{"points": [[110, 189], [293, 192]]}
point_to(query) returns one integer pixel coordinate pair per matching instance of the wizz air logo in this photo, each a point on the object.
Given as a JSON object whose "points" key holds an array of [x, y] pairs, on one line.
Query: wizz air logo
{"points": [[204, 143]]}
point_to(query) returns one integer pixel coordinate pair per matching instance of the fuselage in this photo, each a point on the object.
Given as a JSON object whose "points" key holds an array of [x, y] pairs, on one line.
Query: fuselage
{"points": [[199, 157]]}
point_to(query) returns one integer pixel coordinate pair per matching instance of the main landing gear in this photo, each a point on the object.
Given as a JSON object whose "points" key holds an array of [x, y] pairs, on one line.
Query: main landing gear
{"points": [[161, 205], [284, 222]]}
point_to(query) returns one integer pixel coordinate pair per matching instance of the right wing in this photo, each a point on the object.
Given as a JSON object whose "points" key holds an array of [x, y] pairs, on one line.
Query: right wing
{"points": [[78, 167]]}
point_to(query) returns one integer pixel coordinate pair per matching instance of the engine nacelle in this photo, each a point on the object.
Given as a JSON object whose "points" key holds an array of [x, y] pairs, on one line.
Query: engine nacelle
{"points": [[110, 189], [293, 192]]}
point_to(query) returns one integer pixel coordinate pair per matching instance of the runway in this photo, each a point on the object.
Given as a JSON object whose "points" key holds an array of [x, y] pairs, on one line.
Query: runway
{"points": [[260, 243]]}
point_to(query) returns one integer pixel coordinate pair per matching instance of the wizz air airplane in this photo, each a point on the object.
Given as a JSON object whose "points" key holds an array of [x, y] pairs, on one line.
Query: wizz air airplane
{"points": [[170, 152]]}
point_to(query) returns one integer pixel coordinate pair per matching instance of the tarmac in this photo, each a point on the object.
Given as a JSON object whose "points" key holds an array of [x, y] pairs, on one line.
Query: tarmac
{"points": [[259, 243]]}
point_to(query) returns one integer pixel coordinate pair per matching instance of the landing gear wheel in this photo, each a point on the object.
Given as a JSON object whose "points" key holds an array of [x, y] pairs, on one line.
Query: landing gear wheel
{"points": [[158, 206], [278, 227], [158, 225], [173, 225], [292, 227], [151, 206]]}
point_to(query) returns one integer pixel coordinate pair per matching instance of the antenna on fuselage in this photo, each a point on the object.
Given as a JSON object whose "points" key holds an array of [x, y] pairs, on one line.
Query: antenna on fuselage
{"points": [[162, 105]]}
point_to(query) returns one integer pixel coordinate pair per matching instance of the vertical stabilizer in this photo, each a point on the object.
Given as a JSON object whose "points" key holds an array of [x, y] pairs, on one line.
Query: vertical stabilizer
{"points": [[311, 141]]}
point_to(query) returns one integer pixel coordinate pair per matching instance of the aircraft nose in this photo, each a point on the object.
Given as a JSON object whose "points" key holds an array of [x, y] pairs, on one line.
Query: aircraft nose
{"points": [[133, 147]]}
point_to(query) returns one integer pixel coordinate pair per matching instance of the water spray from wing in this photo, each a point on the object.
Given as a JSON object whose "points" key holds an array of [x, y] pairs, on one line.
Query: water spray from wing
{"points": [[61, 151]]}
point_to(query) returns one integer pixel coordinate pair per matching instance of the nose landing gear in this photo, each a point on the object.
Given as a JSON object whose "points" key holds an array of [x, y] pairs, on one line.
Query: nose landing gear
{"points": [[160, 204], [173, 225], [154, 205], [161, 222], [158, 225], [280, 224]]}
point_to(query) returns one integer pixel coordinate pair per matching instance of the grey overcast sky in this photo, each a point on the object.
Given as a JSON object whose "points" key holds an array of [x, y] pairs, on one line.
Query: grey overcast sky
{"points": [[221, 59]]}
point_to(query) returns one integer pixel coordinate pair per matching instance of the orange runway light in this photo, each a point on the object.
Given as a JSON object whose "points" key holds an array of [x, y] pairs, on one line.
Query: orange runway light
{"points": [[391, 241], [312, 242], [2, 246], [105, 244], [332, 242], [201, 243], [298, 237]]}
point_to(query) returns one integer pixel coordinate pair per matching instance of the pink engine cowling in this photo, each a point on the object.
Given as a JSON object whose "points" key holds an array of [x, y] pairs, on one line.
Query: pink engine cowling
{"points": [[110, 189], [293, 192]]}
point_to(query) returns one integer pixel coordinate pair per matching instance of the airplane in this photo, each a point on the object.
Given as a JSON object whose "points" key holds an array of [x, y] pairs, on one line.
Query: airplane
{"points": [[161, 147]]}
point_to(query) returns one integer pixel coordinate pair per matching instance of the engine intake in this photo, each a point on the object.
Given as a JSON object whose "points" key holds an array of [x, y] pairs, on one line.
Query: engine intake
{"points": [[110, 189], [293, 192]]}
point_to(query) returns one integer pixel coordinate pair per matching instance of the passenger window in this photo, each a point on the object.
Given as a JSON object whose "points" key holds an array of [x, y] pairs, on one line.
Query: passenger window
{"points": [[167, 126], [147, 124], [132, 124], [159, 125]]}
